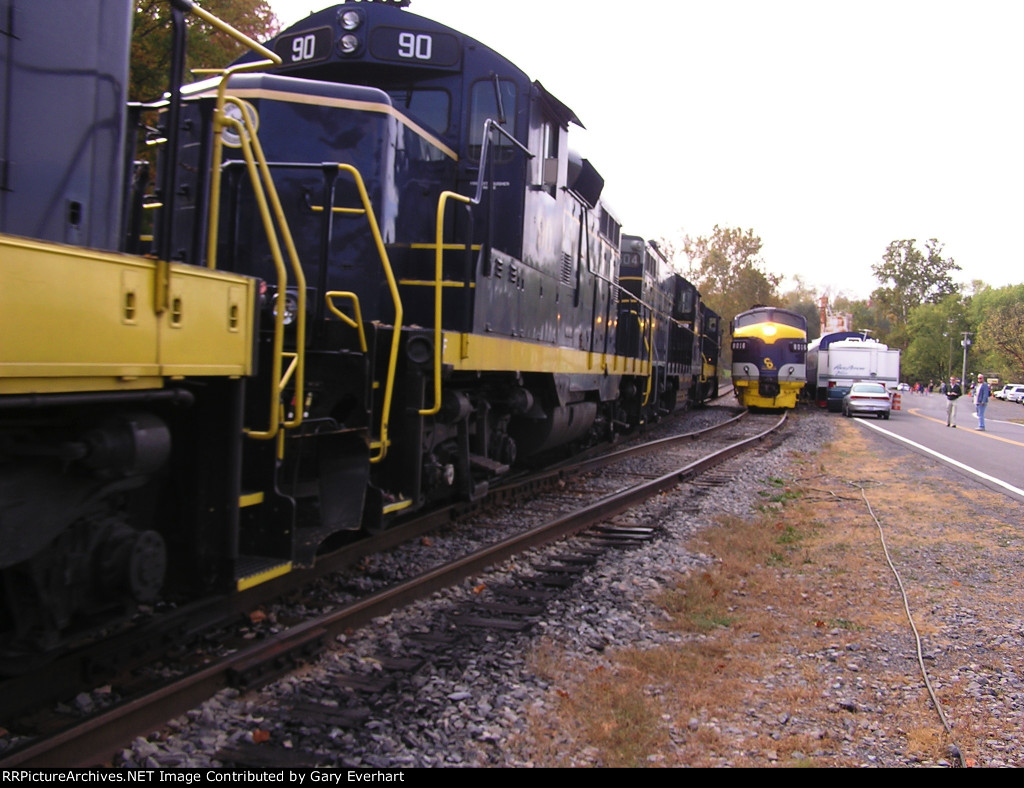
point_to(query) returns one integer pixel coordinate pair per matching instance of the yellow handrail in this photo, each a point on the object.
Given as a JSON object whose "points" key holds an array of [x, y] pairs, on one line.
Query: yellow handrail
{"points": [[269, 205], [381, 445], [267, 200], [220, 120], [647, 334], [357, 323], [647, 344], [238, 35], [438, 278], [320, 209], [299, 362], [281, 272]]}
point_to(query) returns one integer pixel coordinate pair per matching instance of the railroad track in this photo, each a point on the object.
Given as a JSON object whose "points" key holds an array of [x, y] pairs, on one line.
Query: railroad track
{"points": [[612, 484]]}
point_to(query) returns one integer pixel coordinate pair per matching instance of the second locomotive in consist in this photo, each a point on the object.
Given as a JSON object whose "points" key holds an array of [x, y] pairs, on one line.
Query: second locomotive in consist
{"points": [[664, 323], [378, 277], [769, 350]]}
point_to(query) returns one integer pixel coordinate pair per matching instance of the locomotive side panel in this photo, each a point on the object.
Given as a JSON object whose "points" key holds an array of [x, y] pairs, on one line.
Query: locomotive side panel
{"points": [[64, 68], [543, 229]]}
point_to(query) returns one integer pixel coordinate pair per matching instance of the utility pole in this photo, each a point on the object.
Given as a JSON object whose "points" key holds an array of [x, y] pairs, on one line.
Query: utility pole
{"points": [[966, 342]]}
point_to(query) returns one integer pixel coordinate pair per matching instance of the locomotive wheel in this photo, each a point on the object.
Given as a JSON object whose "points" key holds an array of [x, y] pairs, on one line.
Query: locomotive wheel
{"points": [[92, 575]]}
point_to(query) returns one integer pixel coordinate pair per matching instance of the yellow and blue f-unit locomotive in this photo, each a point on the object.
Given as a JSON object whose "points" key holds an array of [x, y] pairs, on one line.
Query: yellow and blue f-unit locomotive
{"points": [[769, 349]]}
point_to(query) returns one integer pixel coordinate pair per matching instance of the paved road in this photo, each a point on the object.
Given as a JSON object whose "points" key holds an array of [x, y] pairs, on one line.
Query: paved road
{"points": [[995, 456]]}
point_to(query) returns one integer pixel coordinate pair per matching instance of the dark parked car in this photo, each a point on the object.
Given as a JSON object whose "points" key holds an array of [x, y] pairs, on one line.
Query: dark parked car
{"points": [[867, 398], [834, 402]]}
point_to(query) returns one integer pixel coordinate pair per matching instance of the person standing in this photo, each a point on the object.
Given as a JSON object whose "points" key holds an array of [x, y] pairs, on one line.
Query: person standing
{"points": [[953, 392], [982, 392]]}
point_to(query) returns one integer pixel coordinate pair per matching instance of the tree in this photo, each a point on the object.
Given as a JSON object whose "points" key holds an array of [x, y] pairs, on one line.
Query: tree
{"points": [[909, 278], [1003, 331], [999, 315], [728, 271], [803, 300], [936, 330], [152, 37]]}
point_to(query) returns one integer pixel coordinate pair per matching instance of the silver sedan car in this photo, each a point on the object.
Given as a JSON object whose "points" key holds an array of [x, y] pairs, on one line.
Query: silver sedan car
{"points": [[867, 398]]}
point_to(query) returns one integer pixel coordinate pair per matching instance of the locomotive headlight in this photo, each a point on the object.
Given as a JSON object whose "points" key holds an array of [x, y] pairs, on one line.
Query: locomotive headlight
{"points": [[769, 330], [231, 134], [291, 307], [348, 44], [350, 20]]}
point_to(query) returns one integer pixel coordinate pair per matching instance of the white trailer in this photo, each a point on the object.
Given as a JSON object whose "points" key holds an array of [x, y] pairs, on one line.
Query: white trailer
{"points": [[837, 361]]}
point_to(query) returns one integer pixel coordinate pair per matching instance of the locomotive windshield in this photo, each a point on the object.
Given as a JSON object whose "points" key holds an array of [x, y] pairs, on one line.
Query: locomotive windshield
{"points": [[770, 316]]}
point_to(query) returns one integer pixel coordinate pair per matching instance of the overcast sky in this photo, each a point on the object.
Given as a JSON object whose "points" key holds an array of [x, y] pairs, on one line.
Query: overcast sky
{"points": [[828, 128]]}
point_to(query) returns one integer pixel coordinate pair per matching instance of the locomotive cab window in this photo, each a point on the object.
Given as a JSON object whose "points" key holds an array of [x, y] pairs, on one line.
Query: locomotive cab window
{"points": [[432, 108], [484, 97], [546, 174]]}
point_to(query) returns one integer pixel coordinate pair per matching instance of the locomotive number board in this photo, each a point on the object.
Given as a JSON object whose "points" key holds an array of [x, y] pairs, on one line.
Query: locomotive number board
{"points": [[406, 46], [307, 46]]}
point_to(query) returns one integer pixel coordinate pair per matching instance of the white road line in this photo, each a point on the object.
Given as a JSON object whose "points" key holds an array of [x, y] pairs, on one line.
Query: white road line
{"points": [[944, 458]]}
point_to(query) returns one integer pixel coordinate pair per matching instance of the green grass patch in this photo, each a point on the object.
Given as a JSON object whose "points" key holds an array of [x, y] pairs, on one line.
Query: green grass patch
{"points": [[789, 535]]}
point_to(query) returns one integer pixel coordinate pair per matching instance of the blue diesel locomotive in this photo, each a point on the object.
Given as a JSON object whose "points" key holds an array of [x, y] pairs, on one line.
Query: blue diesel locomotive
{"points": [[375, 276]]}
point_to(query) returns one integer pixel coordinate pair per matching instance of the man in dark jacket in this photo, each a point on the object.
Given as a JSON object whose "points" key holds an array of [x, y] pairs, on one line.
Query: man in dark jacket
{"points": [[953, 392]]}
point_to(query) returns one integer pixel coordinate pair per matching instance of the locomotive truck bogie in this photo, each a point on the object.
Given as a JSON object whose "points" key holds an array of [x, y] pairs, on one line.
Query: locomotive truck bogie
{"points": [[99, 502]]}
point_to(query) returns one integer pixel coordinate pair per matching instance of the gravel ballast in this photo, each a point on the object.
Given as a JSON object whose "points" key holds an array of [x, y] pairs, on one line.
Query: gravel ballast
{"points": [[473, 704]]}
